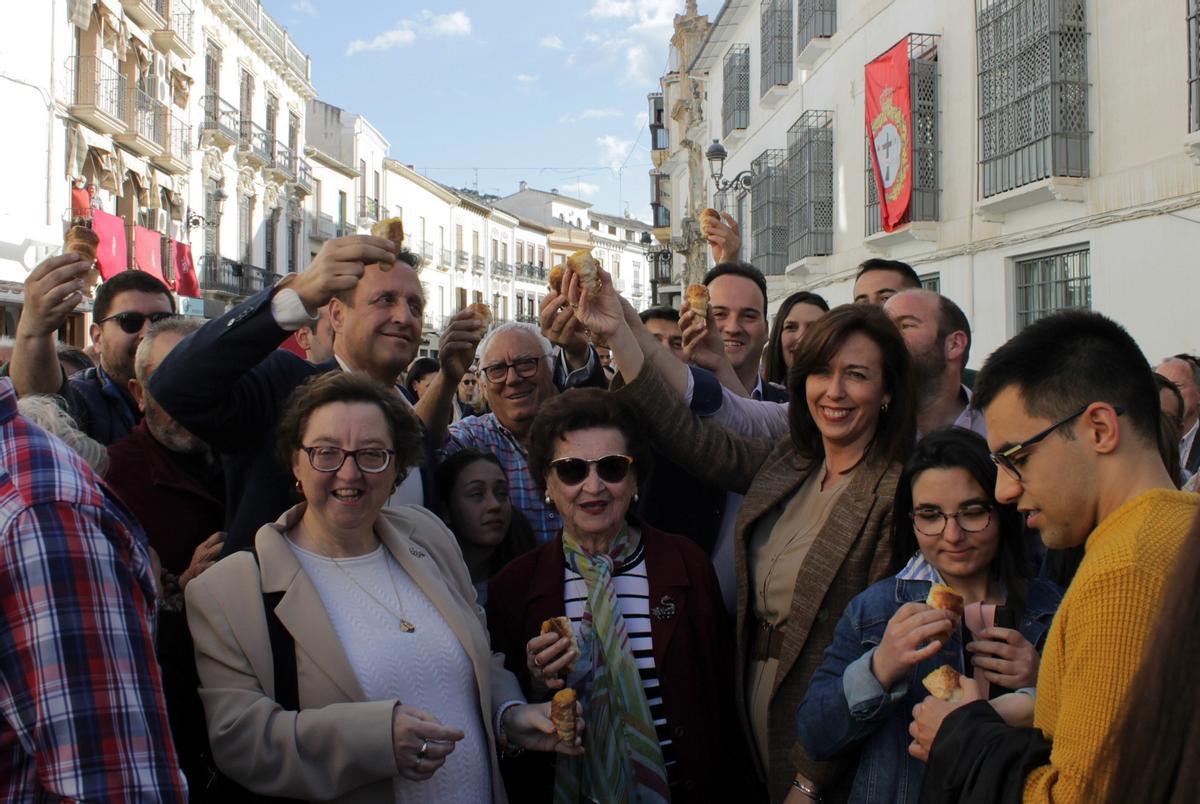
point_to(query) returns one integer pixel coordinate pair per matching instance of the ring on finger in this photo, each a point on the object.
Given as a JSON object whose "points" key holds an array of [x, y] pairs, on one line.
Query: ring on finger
{"points": [[421, 751]]}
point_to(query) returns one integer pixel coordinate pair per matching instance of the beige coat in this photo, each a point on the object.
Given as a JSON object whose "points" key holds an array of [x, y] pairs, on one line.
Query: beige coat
{"points": [[851, 552], [340, 746]]}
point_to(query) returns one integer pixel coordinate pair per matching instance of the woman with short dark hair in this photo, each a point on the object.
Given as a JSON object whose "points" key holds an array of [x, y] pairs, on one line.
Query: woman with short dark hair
{"points": [[792, 319], [420, 374]]}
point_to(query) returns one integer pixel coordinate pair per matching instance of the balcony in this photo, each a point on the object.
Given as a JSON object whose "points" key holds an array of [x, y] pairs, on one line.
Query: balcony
{"points": [[274, 35], [445, 261], [344, 229], [99, 98], [177, 37], [282, 163], [145, 124], [228, 277], [254, 143], [478, 265], [368, 211], [528, 318], [177, 154], [531, 271], [462, 261], [149, 14], [502, 270], [222, 121], [637, 290], [304, 179], [321, 226]]}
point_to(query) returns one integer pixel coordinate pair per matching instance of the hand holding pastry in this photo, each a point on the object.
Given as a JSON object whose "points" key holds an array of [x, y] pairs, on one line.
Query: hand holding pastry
{"points": [[548, 657], [914, 633], [52, 291], [723, 237]]}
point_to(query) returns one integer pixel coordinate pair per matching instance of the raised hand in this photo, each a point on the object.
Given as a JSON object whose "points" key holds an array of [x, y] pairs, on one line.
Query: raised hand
{"points": [[601, 313], [914, 633], [52, 290], [562, 328], [724, 238], [702, 342], [339, 265], [456, 349]]}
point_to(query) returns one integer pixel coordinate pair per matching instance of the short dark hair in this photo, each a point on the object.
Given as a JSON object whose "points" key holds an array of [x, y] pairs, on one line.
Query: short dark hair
{"points": [[123, 281], [880, 264], [1168, 441], [419, 369], [742, 269], [74, 359], [659, 314], [1070, 359], [583, 409], [775, 368], [1192, 361], [517, 540], [958, 448], [951, 318], [897, 427], [348, 386]]}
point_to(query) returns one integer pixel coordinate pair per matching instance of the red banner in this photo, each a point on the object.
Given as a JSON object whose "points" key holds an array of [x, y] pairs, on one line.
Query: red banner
{"points": [[186, 283], [147, 252], [889, 124], [112, 255]]}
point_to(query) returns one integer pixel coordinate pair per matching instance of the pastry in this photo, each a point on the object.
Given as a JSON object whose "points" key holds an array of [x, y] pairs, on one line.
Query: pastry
{"points": [[697, 299], [482, 312], [84, 242], [562, 712], [562, 627], [556, 278], [944, 683], [708, 217], [390, 229], [944, 597], [583, 263]]}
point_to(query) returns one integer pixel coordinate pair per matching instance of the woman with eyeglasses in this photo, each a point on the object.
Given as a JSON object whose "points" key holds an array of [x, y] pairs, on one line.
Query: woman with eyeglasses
{"points": [[948, 529], [650, 656], [346, 658]]}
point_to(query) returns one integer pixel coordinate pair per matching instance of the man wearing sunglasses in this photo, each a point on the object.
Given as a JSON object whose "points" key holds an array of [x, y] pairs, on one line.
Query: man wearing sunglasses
{"points": [[124, 307], [1072, 416]]}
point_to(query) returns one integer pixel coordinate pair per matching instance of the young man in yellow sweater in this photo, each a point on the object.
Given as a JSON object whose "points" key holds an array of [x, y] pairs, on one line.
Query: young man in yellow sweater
{"points": [[1072, 416]]}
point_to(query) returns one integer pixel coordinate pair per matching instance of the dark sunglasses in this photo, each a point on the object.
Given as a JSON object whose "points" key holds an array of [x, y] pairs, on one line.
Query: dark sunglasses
{"points": [[610, 468], [132, 323]]}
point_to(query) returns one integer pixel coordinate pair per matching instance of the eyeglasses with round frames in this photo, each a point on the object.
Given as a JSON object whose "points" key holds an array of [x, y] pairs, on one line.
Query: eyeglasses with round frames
{"points": [[525, 367], [1004, 458], [371, 460], [610, 468], [970, 519]]}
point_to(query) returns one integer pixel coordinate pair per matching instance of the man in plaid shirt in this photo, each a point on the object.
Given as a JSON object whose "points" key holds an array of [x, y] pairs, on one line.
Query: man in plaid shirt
{"points": [[82, 715]]}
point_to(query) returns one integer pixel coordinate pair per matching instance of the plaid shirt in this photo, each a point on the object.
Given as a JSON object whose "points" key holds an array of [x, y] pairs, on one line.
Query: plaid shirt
{"points": [[487, 434], [82, 715]]}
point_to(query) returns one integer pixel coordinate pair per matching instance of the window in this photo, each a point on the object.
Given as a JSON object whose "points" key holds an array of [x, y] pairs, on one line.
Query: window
{"points": [[1052, 282], [245, 229], [616, 266], [246, 100], [658, 127], [931, 281], [458, 237], [212, 71], [769, 211], [810, 185], [660, 198], [735, 98], [495, 250], [541, 256], [1033, 104], [293, 245], [924, 134], [1193, 65], [775, 44], [342, 231], [272, 114], [815, 19], [460, 295], [272, 227], [475, 244], [477, 296]]}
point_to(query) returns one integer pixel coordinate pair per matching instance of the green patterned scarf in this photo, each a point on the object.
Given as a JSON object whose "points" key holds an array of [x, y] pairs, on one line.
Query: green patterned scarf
{"points": [[623, 761]]}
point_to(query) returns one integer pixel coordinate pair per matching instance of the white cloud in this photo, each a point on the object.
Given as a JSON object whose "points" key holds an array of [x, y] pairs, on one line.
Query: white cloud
{"points": [[612, 9], [526, 78], [551, 41], [584, 188], [614, 149], [456, 23], [635, 63], [571, 59], [304, 7], [589, 114], [402, 34], [640, 119]]}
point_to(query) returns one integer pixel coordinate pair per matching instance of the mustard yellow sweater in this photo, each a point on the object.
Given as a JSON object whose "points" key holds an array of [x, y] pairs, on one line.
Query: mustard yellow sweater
{"points": [[1095, 643]]}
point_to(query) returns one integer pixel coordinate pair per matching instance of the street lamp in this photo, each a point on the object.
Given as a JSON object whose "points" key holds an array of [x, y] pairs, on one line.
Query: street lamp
{"points": [[660, 264], [716, 154], [194, 219]]}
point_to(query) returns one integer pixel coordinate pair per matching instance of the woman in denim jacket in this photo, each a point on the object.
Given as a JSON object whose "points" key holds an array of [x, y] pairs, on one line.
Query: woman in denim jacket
{"points": [[948, 528]]}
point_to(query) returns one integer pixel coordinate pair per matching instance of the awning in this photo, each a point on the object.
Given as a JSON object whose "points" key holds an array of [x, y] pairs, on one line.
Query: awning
{"points": [[77, 149], [112, 254], [79, 12], [181, 86]]}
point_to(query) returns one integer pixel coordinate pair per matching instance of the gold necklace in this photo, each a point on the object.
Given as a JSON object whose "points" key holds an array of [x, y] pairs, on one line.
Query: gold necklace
{"points": [[406, 624]]}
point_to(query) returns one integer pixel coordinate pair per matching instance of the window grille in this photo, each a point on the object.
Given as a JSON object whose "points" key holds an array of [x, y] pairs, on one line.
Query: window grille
{"points": [[735, 99], [1033, 91], [931, 281], [271, 227], [776, 44], [660, 198], [1049, 283], [658, 122], [1193, 65], [815, 19], [245, 229], [769, 211], [810, 185], [925, 137]]}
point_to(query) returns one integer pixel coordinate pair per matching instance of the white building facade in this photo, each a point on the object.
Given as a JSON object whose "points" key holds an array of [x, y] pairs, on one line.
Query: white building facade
{"points": [[1044, 176]]}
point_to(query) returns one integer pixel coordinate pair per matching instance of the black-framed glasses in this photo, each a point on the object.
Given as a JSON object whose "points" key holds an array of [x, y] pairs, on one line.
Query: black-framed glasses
{"points": [[132, 323], [371, 460], [610, 468], [970, 519], [1004, 458], [525, 367]]}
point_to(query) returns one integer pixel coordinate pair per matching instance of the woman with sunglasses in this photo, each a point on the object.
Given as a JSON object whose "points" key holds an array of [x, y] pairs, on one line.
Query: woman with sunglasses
{"points": [[391, 692], [650, 657], [949, 529]]}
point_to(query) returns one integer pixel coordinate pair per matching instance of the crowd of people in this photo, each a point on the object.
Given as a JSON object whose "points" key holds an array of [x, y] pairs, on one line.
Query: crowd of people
{"points": [[684, 555]]}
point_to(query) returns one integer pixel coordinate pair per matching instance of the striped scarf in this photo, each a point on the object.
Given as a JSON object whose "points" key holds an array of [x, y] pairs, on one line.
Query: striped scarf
{"points": [[623, 761]]}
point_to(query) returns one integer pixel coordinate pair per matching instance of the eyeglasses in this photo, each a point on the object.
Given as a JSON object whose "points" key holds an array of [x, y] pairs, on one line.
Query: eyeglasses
{"points": [[132, 323], [525, 367], [970, 519], [372, 460], [1004, 457], [610, 468]]}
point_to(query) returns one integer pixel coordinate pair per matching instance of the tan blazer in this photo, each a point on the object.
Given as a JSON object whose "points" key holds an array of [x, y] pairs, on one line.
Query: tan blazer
{"points": [[340, 746], [851, 552]]}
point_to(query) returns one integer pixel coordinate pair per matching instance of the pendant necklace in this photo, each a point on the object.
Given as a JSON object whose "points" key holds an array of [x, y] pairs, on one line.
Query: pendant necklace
{"points": [[406, 625]]}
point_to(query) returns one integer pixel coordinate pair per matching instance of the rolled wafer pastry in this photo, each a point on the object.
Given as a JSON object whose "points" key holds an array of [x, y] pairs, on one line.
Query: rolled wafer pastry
{"points": [[697, 299], [707, 218], [562, 627], [390, 229], [482, 312], [562, 712], [556, 277], [583, 263], [84, 242]]}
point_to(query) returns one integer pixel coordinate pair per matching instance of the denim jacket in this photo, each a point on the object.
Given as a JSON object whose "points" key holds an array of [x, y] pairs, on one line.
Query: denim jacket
{"points": [[846, 707]]}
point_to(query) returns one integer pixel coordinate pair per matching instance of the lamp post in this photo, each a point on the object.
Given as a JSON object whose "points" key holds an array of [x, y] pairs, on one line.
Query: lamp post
{"points": [[660, 264], [194, 219], [716, 154]]}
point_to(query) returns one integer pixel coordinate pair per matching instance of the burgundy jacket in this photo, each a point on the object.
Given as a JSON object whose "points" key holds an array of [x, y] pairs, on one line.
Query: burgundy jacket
{"points": [[177, 498], [693, 653]]}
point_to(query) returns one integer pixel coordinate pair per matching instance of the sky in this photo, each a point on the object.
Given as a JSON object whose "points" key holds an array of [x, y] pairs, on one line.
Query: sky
{"points": [[483, 94]]}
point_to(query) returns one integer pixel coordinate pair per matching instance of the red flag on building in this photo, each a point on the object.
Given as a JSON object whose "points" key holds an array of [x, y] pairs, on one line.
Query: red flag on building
{"points": [[889, 123], [111, 255], [147, 252], [186, 283]]}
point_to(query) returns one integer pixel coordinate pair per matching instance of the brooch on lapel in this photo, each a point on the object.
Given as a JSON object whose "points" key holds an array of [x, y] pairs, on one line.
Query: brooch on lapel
{"points": [[665, 610], [416, 551]]}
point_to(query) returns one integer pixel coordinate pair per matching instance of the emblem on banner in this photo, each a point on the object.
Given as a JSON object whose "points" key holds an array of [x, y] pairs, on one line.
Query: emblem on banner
{"points": [[889, 132]]}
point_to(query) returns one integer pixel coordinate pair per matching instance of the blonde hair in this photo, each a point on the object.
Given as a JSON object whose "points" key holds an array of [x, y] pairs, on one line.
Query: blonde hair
{"points": [[46, 412]]}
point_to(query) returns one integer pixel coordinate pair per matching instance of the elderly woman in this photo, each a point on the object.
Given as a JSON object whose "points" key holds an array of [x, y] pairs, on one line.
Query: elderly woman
{"points": [[652, 665], [814, 529], [949, 529], [383, 686]]}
